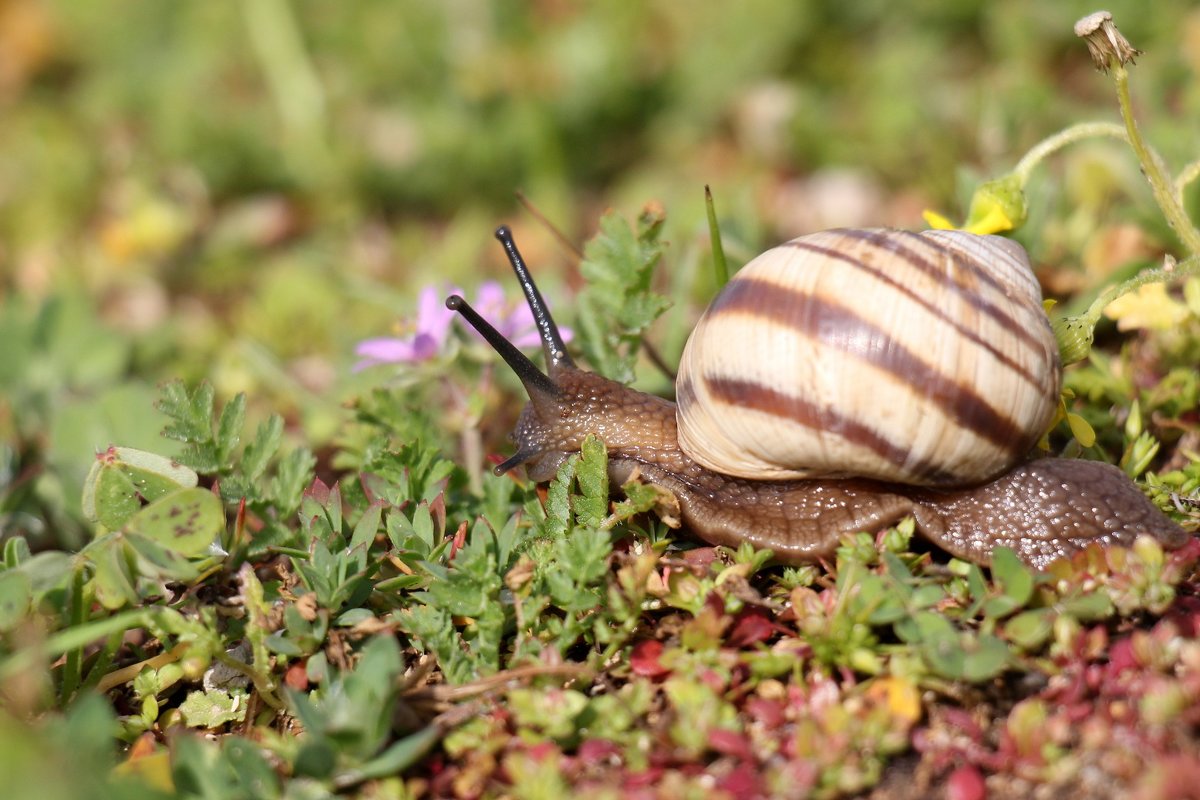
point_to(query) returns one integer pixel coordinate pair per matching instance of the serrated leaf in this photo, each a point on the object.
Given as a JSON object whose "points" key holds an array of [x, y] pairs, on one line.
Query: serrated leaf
{"points": [[266, 442], [617, 305], [294, 472], [186, 521], [642, 497], [229, 429], [558, 498], [591, 505], [191, 414]]}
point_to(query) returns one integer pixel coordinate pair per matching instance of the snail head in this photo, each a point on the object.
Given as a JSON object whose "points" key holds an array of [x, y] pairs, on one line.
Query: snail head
{"points": [[561, 400]]}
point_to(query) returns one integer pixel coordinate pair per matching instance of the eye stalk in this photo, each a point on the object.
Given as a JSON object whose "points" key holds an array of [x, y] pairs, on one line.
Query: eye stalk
{"points": [[544, 393], [534, 380], [552, 342]]}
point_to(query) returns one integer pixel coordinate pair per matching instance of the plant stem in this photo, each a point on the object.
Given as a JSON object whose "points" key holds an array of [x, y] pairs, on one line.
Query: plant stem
{"points": [[1189, 267], [1188, 174], [73, 666], [1054, 143], [1153, 169]]}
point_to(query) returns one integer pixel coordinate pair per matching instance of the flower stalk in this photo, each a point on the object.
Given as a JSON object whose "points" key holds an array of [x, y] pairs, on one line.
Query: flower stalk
{"points": [[1154, 169]]}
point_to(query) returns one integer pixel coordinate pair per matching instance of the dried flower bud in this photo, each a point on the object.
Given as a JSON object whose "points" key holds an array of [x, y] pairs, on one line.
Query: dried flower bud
{"points": [[1104, 41]]}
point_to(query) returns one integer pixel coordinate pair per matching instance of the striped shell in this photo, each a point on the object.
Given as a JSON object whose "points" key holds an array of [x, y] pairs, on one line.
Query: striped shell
{"points": [[922, 359]]}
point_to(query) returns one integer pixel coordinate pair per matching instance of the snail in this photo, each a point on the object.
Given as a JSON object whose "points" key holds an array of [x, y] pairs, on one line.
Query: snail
{"points": [[839, 383]]}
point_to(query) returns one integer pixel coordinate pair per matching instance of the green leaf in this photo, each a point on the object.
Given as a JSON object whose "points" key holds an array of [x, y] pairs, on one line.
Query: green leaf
{"points": [[16, 594], [1030, 629], [122, 478], [985, 657], [113, 580], [158, 562], [213, 708], [1089, 607], [617, 305], [294, 472], [367, 527], [187, 521], [395, 759], [1014, 580], [229, 429], [191, 423], [252, 773], [558, 498], [592, 474], [266, 442], [16, 552]]}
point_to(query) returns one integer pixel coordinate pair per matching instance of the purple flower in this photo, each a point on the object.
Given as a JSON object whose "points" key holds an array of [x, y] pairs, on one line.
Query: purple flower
{"points": [[431, 330], [428, 337], [514, 320]]}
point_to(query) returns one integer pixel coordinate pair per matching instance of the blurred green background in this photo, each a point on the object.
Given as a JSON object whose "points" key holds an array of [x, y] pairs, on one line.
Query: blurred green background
{"points": [[240, 191]]}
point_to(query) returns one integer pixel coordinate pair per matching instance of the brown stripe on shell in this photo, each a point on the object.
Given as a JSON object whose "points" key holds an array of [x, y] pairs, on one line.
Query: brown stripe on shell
{"points": [[886, 240], [936, 311], [749, 394], [841, 328]]}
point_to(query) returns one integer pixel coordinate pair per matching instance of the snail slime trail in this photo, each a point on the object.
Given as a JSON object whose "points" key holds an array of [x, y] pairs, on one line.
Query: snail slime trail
{"points": [[839, 383]]}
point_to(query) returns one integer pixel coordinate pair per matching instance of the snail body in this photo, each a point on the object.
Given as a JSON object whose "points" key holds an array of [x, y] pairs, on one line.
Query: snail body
{"points": [[812, 406]]}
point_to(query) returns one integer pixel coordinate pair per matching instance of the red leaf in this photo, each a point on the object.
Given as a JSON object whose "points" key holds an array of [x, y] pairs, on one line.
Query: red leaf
{"points": [[730, 743], [700, 557], [768, 713], [752, 626], [644, 779], [460, 540], [543, 750], [742, 781], [318, 491], [296, 676], [644, 659], [596, 752], [1185, 613], [1121, 657], [966, 783]]}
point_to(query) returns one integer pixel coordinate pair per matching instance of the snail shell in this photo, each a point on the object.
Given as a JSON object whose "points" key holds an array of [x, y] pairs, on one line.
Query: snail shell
{"points": [[922, 359]]}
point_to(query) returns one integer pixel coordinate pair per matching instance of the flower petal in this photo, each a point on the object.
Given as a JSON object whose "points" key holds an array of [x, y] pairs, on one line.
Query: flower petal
{"points": [[433, 318], [384, 350]]}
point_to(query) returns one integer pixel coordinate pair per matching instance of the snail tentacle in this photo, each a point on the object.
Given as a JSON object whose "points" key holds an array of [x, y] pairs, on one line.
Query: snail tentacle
{"points": [[552, 341], [533, 379]]}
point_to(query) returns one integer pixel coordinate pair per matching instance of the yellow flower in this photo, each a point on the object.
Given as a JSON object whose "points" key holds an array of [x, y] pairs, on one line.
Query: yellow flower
{"points": [[997, 206], [902, 697], [1150, 307]]}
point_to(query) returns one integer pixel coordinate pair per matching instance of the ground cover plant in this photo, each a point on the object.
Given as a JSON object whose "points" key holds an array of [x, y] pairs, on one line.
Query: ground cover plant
{"points": [[263, 593]]}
